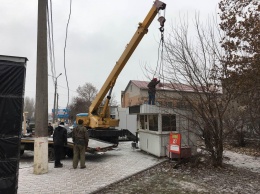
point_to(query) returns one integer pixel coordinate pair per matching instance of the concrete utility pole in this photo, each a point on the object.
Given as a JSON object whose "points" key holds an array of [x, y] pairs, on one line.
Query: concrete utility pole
{"points": [[41, 108], [55, 97], [24, 122], [57, 107]]}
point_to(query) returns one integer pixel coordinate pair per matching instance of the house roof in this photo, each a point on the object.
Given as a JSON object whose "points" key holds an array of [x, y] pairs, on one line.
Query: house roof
{"points": [[161, 86]]}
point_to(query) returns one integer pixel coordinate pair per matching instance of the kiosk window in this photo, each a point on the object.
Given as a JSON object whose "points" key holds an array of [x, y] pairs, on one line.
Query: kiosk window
{"points": [[153, 122], [168, 122]]}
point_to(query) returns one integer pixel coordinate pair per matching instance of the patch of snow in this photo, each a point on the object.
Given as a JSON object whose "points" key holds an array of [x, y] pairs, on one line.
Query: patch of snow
{"points": [[191, 186], [242, 161]]}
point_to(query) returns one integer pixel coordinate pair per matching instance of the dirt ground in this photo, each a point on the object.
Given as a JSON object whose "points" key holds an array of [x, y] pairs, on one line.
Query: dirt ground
{"points": [[169, 178]]}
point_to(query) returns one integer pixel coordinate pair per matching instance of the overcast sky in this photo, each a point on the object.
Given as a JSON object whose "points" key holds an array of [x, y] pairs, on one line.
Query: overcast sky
{"points": [[98, 33]]}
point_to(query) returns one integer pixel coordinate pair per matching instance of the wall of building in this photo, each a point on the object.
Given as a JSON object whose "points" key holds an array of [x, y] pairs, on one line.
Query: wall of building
{"points": [[137, 96], [132, 96]]}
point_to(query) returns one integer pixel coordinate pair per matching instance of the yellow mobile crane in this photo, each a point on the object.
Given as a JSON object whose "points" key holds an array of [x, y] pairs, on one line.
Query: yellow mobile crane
{"points": [[98, 120]]}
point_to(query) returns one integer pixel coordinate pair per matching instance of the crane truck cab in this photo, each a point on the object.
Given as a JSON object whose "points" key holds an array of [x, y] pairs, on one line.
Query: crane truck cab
{"points": [[98, 121]]}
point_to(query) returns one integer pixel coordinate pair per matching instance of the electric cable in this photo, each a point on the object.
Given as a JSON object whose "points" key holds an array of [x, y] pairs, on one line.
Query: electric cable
{"points": [[50, 40], [65, 52], [67, 88]]}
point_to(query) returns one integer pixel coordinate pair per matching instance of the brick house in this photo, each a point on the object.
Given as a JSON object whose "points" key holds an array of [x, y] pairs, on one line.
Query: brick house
{"points": [[136, 93]]}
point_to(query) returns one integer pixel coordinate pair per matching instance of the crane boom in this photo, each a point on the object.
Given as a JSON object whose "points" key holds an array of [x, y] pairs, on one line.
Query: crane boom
{"points": [[98, 120], [141, 31]]}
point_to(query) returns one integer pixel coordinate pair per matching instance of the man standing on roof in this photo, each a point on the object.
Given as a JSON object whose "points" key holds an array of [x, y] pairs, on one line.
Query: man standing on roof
{"points": [[152, 90]]}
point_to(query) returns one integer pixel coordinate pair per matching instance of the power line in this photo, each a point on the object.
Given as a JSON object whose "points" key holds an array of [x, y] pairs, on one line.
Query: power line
{"points": [[50, 40], [54, 68], [65, 52], [66, 88]]}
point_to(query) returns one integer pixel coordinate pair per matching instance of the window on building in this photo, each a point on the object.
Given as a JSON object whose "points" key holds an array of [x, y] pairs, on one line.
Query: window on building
{"points": [[153, 122], [143, 122], [168, 122]]}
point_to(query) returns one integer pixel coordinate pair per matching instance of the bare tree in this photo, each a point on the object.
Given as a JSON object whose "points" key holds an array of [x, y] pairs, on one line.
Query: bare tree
{"points": [[194, 63], [78, 105], [87, 91], [29, 106], [81, 104]]}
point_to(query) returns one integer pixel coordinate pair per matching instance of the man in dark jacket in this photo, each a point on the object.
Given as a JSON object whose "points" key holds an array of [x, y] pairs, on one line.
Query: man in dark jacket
{"points": [[50, 129], [80, 138], [59, 141], [151, 90]]}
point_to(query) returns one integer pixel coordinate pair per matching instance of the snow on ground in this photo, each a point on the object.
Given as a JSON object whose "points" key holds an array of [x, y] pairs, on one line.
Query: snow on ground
{"points": [[242, 161]]}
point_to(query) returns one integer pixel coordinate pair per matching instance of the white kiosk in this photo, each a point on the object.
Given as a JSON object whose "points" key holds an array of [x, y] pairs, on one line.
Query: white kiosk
{"points": [[154, 125]]}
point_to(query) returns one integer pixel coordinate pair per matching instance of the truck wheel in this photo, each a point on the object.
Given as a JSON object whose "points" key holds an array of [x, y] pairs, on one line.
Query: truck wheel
{"points": [[51, 155]]}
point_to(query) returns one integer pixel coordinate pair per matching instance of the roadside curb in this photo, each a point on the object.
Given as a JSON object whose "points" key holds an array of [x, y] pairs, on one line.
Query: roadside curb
{"points": [[102, 188]]}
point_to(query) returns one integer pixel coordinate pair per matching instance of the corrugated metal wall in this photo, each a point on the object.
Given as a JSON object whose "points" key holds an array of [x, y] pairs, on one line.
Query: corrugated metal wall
{"points": [[12, 79]]}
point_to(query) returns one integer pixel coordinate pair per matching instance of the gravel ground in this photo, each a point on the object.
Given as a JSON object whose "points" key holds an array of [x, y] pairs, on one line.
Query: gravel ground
{"points": [[170, 178]]}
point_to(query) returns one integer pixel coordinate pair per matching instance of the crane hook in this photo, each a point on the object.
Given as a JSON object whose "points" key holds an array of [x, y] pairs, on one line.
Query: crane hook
{"points": [[162, 20]]}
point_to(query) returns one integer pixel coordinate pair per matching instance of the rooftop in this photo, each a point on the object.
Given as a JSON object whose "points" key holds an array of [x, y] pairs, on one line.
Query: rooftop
{"points": [[163, 86]]}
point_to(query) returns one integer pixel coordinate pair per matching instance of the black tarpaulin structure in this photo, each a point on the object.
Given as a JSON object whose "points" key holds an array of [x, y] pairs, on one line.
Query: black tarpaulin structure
{"points": [[12, 80]]}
